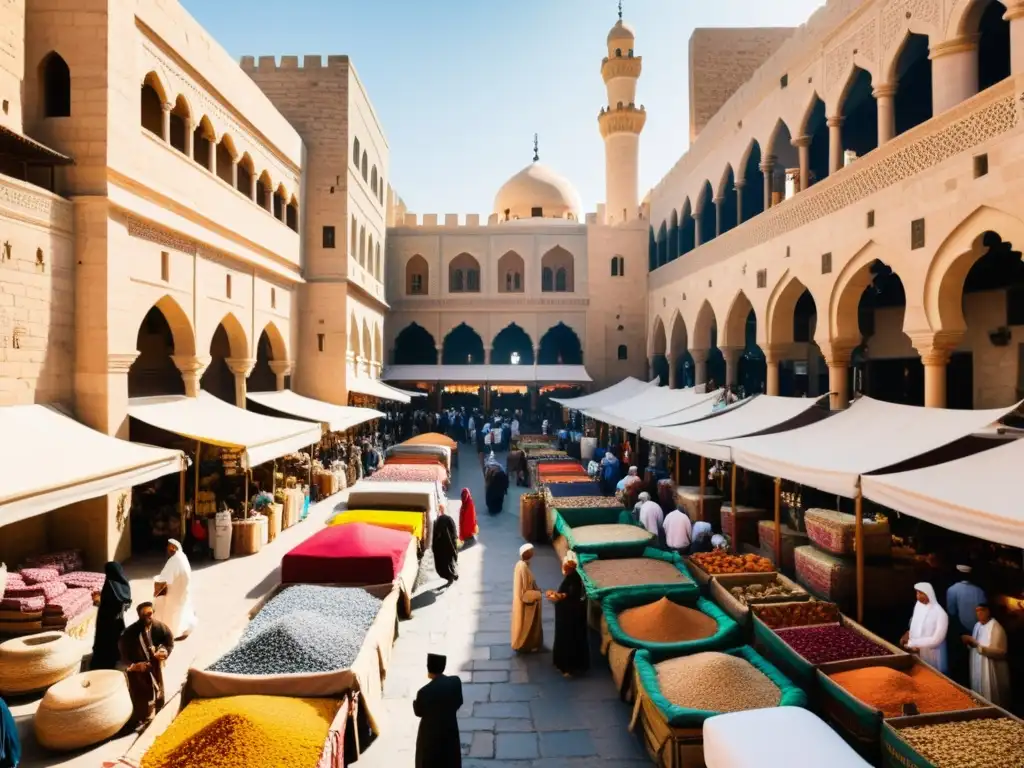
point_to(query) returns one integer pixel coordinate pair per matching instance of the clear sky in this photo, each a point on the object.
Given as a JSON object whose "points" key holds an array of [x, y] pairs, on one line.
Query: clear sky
{"points": [[461, 86]]}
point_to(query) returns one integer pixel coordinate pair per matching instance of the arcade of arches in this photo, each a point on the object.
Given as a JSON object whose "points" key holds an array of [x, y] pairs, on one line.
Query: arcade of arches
{"points": [[463, 345], [950, 335]]}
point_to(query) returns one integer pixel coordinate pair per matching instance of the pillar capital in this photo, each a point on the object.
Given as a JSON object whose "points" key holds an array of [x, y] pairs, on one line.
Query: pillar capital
{"points": [[717, 200], [773, 353], [884, 90], [836, 121], [240, 366], [801, 141], [731, 352], [192, 368], [767, 165], [166, 106], [962, 44], [121, 362], [281, 367], [837, 353], [935, 347], [740, 183]]}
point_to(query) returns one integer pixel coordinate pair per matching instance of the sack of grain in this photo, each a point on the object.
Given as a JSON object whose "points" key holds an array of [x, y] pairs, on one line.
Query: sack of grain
{"points": [[606, 539], [656, 574], [835, 532]]}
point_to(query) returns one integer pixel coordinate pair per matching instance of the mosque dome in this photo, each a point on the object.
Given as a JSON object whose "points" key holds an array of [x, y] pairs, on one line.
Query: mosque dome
{"points": [[621, 33], [537, 191]]}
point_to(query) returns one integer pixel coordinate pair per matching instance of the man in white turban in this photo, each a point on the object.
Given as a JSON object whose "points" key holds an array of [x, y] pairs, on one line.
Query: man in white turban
{"points": [[928, 626], [990, 671], [527, 632], [651, 515], [173, 593]]}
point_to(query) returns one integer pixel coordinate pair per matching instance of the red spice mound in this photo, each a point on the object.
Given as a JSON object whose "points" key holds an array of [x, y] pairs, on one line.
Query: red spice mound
{"points": [[666, 622], [889, 689], [830, 642]]}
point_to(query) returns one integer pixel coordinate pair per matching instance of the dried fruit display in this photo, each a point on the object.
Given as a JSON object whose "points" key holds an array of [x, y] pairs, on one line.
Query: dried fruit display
{"points": [[990, 743], [781, 615], [721, 561], [753, 593], [830, 642]]}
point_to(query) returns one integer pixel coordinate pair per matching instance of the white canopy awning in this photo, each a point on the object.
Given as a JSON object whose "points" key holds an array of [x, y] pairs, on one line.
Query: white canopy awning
{"points": [[377, 388], [746, 417], [211, 420], [334, 418], [870, 435], [613, 394], [978, 495], [85, 464], [490, 374], [650, 403]]}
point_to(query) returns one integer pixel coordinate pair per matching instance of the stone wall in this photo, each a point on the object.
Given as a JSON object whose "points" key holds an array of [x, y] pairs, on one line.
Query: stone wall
{"points": [[12, 61], [722, 60]]}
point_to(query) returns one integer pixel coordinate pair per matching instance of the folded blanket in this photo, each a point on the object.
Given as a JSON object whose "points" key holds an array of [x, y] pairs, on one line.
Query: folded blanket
{"points": [[47, 589], [23, 604], [64, 561], [69, 604], [84, 580], [39, 575]]}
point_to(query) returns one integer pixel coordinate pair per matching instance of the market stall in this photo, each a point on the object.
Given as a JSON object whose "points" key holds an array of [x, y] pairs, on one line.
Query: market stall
{"points": [[378, 389], [626, 388], [651, 404]]}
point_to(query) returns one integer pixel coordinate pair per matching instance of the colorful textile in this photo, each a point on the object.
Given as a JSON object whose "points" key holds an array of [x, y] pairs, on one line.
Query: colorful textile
{"points": [[39, 575], [354, 554], [84, 580], [560, 468], [23, 604], [558, 490], [410, 522], [413, 473], [65, 561], [47, 589], [432, 438], [70, 604]]}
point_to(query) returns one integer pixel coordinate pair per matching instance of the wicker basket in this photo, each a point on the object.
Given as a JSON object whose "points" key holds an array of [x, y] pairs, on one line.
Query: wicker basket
{"points": [[835, 532], [825, 575], [83, 710], [275, 515], [246, 537], [791, 539], [34, 663]]}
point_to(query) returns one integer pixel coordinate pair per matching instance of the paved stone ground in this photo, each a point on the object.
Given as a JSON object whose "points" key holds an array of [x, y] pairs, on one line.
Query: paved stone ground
{"points": [[519, 711]]}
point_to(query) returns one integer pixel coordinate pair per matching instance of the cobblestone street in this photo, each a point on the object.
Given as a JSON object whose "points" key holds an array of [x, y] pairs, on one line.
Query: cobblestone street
{"points": [[518, 711]]}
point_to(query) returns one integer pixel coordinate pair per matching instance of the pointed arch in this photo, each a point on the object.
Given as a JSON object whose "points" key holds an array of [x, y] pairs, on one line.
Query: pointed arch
{"points": [[511, 273], [153, 80], [678, 340], [181, 115], [512, 339], [561, 265], [843, 325], [151, 100], [378, 343], [673, 235], [417, 276], [367, 341], [464, 274], [658, 339], [278, 344], [725, 182], [462, 346], [704, 327], [803, 120], [782, 306], [415, 345], [687, 229], [733, 332], [560, 345], [235, 331], [355, 350], [178, 320], [55, 77]]}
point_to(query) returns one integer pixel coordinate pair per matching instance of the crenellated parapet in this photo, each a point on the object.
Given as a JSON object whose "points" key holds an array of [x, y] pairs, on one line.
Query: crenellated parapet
{"points": [[621, 66], [436, 221], [623, 118], [289, 63]]}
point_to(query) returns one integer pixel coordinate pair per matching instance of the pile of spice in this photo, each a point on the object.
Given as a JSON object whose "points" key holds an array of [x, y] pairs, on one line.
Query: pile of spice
{"points": [[715, 682], [597, 534], [889, 689], [666, 622], [752, 593], [720, 561], [830, 642], [583, 502], [632, 571], [996, 742], [797, 614], [245, 731]]}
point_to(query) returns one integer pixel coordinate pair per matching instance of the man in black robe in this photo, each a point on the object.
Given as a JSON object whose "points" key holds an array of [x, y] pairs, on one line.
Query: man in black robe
{"points": [[496, 490], [445, 548], [437, 705], [114, 599], [145, 646], [571, 651]]}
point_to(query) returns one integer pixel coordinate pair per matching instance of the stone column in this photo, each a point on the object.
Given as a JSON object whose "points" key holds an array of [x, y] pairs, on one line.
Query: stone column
{"points": [[935, 349], [536, 356], [837, 357], [740, 184], [1015, 15], [234, 173], [835, 143], [673, 382], [772, 358], [697, 239], [768, 169], [241, 367], [487, 355], [732, 359], [718, 201], [281, 369], [700, 366], [954, 72], [252, 187], [213, 158], [885, 96], [190, 151], [192, 368], [650, 367], [165, 121], [803, 146]]}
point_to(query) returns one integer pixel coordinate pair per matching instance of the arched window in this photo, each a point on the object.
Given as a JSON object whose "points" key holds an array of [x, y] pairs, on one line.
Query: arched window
{"points": [[458, 282], [510, 273], [618, 266], [180, 115], [623, 352], [376, 264], [464, 274], [557, 271], [373, 180], [152, 116], [547, 280], [355, 153], [560, 280], [362, 247], [417, 275], [354, 244], [365, 167], [56, 87], [292, 214]]}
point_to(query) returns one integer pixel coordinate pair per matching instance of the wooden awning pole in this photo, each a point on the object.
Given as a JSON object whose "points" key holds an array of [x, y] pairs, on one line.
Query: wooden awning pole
{"points": [[778, 524], [703, 480], [859, 546], [732, 495], [677, 472]]}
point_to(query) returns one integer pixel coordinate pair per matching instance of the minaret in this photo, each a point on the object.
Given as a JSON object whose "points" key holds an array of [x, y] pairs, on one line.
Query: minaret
{"points": [[621, 123]]}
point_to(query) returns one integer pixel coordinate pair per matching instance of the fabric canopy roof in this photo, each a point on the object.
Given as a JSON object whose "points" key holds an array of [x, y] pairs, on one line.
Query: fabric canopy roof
{"points": [[746, 417], [977, 495], [490, 374], [211, 420], [377, 388], [650, 403], [626, 388], [89, 463], [334, 418], [870, 435]]}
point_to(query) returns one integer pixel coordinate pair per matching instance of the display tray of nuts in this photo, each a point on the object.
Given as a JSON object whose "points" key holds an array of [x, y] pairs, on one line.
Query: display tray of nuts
{"points": [[735, 593], [978, 738]]}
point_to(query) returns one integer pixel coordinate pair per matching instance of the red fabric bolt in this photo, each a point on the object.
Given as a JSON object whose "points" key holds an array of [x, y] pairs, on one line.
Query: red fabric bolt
{"points": [[830, 642], [39, 575], [355, 554]]}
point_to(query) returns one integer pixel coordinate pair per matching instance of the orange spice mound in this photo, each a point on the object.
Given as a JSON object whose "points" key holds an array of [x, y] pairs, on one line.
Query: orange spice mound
{"points": [[666, 622], [889, 689]]}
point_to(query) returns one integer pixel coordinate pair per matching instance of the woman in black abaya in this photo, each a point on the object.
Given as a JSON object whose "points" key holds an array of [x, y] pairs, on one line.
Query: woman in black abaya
{"points": [[115, 599], [445, 547], [571, 652]]}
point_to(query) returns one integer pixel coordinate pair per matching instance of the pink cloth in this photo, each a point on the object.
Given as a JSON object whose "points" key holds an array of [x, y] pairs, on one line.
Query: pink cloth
{"points": [[65, 561], [70, 604], [47, 589], [84, 580], [39, 575], [23, 604]]}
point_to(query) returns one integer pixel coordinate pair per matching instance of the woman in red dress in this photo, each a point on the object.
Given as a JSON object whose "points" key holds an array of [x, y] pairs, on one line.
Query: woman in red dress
{"points": [[468, 527]]}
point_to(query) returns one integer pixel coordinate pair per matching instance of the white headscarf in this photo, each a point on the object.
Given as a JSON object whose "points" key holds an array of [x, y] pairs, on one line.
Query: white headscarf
{"points": [[921, 611], [633, 471], [644, 496], [525, 548]]}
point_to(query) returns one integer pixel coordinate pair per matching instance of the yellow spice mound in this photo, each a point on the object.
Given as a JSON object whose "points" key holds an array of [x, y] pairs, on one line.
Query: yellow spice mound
{"points": [[243, 732]]}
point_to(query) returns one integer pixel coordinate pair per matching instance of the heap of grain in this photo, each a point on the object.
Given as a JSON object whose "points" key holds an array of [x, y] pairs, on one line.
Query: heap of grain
{"points": [[614, 532], [666, 622], [715, 682], [889, 690], [633, 571], [305, 629], [996, 742], [245, 731]]}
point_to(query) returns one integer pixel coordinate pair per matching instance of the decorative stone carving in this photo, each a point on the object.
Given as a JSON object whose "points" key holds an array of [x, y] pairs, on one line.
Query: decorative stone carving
{"points": [[896, 14], [23, 202], [121, 362], [838, 61]]}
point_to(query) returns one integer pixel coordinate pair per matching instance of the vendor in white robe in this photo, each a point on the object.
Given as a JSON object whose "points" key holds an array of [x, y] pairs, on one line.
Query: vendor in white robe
{"points": [[990, 672], [173, 593], [928, 627]]}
